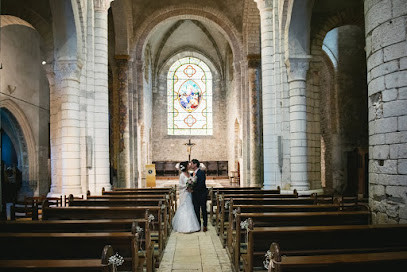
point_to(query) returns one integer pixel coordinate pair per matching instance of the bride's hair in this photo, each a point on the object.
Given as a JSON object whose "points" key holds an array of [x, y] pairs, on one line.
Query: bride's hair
{"points": [[183, 166]]}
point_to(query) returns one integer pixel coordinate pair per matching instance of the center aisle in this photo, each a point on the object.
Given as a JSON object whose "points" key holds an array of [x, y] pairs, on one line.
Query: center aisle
{"points": [[199, 251]]}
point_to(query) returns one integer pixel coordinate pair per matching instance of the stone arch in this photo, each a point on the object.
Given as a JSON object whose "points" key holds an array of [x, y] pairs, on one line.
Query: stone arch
{"points": [[185, 52], [7, 20], [188, 12], [28, 144], [172, 30], [345, 17], [33, 20], [321, 58]]}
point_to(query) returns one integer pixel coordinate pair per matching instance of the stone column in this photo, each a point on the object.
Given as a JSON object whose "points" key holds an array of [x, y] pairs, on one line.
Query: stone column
{"points": [[254, 64], [386, 43], [123, 175], [101, 110], [65, 129], [271, 118], [138, 121], [297, 73], [245, 117]]}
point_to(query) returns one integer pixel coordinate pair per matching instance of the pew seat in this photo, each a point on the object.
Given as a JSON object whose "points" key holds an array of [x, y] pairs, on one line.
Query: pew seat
{"points": [[335, 247]]}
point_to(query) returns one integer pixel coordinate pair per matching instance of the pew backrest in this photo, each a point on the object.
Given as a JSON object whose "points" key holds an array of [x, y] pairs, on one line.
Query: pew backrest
{"points": [[323, 240]]}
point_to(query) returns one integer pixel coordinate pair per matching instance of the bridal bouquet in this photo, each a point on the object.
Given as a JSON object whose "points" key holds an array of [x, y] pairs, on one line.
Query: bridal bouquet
{"points": [[191, 183]]}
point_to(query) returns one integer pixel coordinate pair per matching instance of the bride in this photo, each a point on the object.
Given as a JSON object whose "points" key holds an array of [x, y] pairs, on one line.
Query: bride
{"points": [[185, 219]]}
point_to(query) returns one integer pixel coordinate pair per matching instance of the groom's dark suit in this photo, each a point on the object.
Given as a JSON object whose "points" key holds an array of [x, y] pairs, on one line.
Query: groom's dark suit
{"points": [[199, 195]]}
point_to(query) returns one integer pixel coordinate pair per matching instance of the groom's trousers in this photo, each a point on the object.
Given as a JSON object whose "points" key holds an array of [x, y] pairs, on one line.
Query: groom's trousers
{"points": [[199, 201]]}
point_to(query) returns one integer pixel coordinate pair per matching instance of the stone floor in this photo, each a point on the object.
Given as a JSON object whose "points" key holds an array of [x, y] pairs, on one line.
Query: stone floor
{"points": [[199, 251]]}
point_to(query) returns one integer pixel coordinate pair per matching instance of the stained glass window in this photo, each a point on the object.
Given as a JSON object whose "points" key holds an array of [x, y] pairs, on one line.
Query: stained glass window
{"points": [[189, 94]]}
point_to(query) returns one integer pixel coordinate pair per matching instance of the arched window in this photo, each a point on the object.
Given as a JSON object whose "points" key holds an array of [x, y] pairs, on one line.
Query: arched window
{"points": [[189, 96]]}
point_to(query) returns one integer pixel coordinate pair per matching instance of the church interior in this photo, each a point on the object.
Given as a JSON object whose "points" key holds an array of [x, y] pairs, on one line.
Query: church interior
{"points": [[292, 106]]}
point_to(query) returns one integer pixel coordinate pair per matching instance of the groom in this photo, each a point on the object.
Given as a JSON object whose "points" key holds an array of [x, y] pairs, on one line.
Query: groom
{"points": [[199, 194]]}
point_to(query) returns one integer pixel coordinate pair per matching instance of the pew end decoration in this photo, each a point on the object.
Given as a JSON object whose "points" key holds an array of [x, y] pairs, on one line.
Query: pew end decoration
{"points": [[116, 259], [273, 258]]}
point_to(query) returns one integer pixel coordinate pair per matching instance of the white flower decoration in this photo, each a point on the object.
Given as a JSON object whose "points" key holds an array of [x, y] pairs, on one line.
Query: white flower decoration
{"points": [[116, 260], [267, 261], [244, 224], [234, 212], [151, 218], [139, 229], [227, 204]]}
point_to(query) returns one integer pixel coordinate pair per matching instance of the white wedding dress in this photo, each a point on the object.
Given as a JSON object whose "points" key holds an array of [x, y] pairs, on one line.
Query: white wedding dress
{"points": [[185, 219]]}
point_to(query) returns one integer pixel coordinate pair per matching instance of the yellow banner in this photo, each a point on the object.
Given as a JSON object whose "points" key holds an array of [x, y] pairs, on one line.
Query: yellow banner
{"points": [[150, 175]]}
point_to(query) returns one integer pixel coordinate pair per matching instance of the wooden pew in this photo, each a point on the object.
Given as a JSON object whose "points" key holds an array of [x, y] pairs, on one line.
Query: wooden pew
{"points": [[345, 200], [262, 201], [234, 209], [213, 192], [66, 199], [100, 225], [170, 193], [43, 264], [31, 207], [171, 208], [119, 202], [88, 212], [239, 208], [69, 246], [86, 226], [327, 248], [293, 219], [249, 194], [223, 203], [21, 211], [169, 189]]}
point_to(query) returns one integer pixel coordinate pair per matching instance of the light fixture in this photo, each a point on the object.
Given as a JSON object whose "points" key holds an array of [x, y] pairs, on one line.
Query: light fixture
{"points": [[43, 62]]}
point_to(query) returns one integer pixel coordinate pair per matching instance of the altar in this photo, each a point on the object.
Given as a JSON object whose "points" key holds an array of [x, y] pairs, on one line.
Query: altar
{"points": [[213, 168]]}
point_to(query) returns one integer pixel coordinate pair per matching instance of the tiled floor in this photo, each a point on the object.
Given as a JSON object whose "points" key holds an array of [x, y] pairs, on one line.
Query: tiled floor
{"points": [[199, 251]]}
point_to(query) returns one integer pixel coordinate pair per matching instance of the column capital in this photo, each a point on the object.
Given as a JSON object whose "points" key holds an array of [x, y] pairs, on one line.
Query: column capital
{"points": [[102, 5], [67, 69], [297, 67], [122, 60], [264, 4]]}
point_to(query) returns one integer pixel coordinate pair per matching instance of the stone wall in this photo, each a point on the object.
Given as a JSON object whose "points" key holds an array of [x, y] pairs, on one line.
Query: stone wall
{"points": [[386, 44], [23, 82]]}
